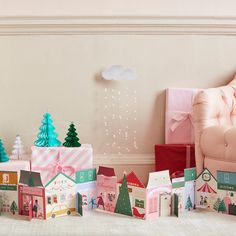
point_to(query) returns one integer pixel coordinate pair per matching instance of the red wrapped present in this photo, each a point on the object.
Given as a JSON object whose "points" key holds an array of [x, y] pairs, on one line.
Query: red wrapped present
{"points": [[175, 158]]}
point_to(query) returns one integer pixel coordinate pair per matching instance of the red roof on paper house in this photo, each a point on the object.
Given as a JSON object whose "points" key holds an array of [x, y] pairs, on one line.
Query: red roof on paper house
{"points": [[107, 171], [133, 180]]}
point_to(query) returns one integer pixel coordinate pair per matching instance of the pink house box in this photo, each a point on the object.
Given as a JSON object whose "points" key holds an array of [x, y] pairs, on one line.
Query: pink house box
{"points": [[106, 188], [137, 194], [158, 194]]}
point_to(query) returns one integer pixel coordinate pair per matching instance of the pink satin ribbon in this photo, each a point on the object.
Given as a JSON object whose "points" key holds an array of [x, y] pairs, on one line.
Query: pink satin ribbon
{"points": [[56, 168], [178, 118]]}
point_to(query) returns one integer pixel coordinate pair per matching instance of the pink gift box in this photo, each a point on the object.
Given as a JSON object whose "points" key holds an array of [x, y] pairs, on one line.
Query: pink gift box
{"points": [[15, 165], [51, 160], [178, 119]]}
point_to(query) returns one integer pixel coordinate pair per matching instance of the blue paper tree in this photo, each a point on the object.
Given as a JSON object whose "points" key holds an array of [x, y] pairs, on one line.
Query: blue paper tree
{"points": [[3, 155], [47, 136]]}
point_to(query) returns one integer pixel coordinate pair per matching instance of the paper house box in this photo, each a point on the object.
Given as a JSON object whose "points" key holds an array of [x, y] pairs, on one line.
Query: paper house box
{"points": [[178, 189], [60, 196], [159, 191], [189, 188], [86, 187], [137, 194], [8, 192], [206, 189], [49, 161], [106, 188], [31, 195], [226, 192]]}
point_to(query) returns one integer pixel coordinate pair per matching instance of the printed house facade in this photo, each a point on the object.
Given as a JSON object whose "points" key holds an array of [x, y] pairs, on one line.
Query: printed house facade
{"points": [[8, 191], [106, 188], [226, 190], [86, 187], [206, 190], [60, 196], [31, 195], [159, 190], [137, 194]]}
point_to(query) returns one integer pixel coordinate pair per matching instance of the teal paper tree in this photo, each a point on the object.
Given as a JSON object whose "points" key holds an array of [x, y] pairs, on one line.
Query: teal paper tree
{"points": [[13, 208], [3, 155], [123, 205], [189, 204], [47, 136], [72, 140], [222, 207]]}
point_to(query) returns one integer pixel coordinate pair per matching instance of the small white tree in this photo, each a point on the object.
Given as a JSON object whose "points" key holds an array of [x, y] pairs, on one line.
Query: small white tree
{"points": [[18, 149]]}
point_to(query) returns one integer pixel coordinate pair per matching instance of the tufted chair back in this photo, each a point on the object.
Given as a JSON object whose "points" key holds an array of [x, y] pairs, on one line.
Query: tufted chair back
{"points": [[214, 118]]}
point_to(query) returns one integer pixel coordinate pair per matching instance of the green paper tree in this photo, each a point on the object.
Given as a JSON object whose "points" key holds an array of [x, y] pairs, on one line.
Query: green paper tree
{"points": [[216, 205], [222, 207], [13, 208], [72, 140], [189, 204], [3, 155], [123, 205], [47, 136]]}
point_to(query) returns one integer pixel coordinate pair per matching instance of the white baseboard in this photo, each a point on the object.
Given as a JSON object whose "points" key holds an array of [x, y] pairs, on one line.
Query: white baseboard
{"points": [[130, 159]]}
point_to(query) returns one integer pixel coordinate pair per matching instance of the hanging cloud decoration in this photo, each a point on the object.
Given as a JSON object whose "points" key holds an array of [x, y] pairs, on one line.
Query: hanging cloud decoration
{"points": [[118, 72]]}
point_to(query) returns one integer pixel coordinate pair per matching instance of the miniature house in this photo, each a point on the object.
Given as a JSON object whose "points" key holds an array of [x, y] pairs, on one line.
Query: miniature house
{"points": [[206, 189], [8, 191], [159, 191], [137, 194], [226, 189], [60, 196], [106, 188], [86, 187], [31, 195]]}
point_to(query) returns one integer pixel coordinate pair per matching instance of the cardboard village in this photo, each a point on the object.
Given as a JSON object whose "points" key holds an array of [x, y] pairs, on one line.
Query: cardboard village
{"points": [[60, 180]]}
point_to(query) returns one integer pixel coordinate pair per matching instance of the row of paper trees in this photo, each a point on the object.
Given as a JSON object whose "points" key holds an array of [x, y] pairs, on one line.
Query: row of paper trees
{"points": [[47, 137]]}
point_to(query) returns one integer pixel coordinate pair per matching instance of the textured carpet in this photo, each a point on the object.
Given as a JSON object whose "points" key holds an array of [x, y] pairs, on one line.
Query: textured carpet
{"points": [[98, 223]]}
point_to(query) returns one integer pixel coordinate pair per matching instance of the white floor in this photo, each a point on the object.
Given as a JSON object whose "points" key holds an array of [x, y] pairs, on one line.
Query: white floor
{"points": [[199, 223]]}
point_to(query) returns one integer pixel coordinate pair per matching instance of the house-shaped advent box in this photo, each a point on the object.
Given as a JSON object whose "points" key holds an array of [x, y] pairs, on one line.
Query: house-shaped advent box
{"points": [[206, 189], [106, 188], [60, 196], [158, 196], [31, 195], [137, 194], [226, 190]]}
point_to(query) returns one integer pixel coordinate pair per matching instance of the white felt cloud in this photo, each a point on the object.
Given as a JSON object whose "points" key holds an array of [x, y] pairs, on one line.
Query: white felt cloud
{"points": [[118, 72]]}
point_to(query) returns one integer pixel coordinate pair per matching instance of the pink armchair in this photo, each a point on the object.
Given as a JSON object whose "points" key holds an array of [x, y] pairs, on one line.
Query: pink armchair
{"points": [[214, 119]]}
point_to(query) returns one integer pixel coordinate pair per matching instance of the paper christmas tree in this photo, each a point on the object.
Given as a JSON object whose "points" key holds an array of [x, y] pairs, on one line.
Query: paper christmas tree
{"points": [[13, 208], [222, 207], [18, 149], [123, 205], [47, 136], [72, 140], [217, 203], [189, 204], [3, 156]]}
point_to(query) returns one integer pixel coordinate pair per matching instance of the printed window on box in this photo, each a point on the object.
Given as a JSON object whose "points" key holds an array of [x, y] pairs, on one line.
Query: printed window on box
{"points": [[55, 199], [226, 178], [139, 203], [49, 200]]}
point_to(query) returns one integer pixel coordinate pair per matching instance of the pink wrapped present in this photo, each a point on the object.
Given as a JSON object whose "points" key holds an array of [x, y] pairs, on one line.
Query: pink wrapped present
{"points": [[15, 165], [178, 120], [51, 160]]}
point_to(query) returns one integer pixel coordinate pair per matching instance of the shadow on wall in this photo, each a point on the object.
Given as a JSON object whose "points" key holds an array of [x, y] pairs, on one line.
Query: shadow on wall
{"points": [[156, 129]]}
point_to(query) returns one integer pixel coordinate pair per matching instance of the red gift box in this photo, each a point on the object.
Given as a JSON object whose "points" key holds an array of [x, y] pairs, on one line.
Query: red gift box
{"points": [[175, 158]]}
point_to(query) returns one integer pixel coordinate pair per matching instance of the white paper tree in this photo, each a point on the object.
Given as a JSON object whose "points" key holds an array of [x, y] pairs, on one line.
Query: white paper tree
{"points": [[18, 149]]}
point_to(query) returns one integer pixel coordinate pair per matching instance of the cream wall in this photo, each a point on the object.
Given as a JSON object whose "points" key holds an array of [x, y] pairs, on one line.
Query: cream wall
{"points": [[121, 7], [44, 69]]}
